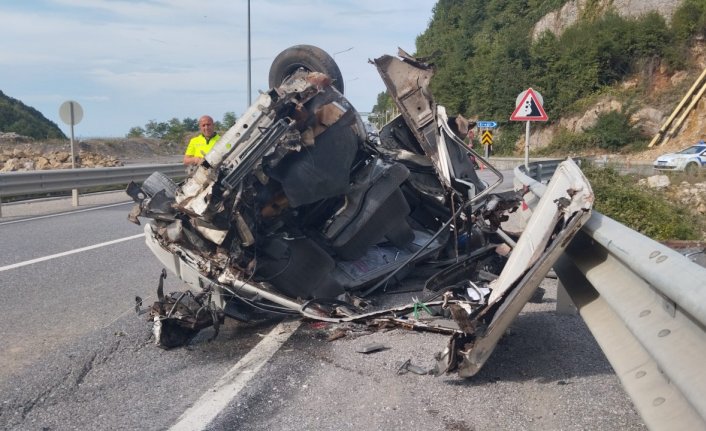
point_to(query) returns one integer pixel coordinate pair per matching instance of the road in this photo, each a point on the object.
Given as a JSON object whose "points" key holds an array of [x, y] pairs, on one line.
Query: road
{"points": [[77, 356]]}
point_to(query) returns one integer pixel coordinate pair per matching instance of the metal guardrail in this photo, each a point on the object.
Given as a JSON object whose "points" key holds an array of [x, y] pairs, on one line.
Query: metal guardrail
{"points": [[543, 170], [646, 306], [37, 182], [33, 182]]}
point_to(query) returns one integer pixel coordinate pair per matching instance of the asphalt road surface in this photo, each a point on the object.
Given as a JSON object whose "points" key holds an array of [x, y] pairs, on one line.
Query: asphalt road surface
{"points": [[75, 354]]}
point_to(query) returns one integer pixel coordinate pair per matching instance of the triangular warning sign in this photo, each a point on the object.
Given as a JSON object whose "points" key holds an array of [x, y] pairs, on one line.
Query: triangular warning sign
{"points": [[529, 108]]}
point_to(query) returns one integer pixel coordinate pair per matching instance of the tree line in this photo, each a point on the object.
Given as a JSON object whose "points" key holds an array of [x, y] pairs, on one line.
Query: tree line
{"points": [[176, 130], [485, 55], [24, 120]]}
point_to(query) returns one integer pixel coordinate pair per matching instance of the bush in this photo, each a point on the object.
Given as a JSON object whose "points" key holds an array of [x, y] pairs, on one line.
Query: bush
{"points": [[613, 131], [504, 143], [645, 211], [566, 141], [689, 20]]}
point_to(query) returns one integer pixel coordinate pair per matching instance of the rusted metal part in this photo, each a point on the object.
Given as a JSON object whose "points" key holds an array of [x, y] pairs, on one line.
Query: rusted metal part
{"points": [[408, 83], [179, 316]]}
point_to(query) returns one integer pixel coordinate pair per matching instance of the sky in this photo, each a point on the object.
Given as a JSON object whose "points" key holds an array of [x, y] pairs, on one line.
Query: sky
{"points": [[128, 62]]}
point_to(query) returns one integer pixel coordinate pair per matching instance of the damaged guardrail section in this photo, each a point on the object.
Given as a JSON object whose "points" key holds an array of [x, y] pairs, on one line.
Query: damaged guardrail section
{"points": [[646, 306]]}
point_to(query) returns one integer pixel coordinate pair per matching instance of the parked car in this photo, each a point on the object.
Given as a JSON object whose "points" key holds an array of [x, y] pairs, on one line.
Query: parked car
{"points": [[689, 160], [299, 210]]}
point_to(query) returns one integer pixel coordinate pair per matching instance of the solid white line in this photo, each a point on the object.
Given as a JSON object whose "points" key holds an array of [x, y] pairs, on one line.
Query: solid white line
{"points": [[206, 408], [64, 213], [66, 253]]}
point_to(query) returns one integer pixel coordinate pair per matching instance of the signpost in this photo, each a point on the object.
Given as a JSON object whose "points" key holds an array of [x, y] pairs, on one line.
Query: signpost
{"points": [[529, 107], [487, 135], [487, 139], [71, 113], [487, 124]]}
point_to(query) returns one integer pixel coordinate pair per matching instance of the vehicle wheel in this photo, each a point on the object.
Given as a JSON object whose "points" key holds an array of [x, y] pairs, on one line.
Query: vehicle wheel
{"points": [[158, 181], [691, 168], [309, 57]]}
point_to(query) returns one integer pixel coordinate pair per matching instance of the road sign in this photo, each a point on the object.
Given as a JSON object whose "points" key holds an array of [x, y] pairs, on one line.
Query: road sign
{"points": [[487, 138], [487, 124], [529, 107], [71, 112]]}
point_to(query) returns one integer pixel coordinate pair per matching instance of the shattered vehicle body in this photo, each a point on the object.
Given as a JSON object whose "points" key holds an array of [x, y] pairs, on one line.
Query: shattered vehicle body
{"points": [[296, 211]]}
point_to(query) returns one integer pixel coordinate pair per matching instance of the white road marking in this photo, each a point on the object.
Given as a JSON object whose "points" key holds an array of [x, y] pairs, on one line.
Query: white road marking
{"points": [[67, 253], [64, 213], [206, 408]]}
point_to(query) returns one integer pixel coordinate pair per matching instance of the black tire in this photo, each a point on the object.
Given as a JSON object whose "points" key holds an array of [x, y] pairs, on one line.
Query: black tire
{"points": [[309, 57], [691, 168], [158, 181]]}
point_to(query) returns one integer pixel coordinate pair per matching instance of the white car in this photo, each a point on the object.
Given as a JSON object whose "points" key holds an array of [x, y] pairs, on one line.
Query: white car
{"points": [[688, 160]]}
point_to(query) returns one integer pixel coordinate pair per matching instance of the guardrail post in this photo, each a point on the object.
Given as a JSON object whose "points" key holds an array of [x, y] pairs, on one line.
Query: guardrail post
{"points": [[540, 177], [74, 197], [564, 304], [0, 206]]}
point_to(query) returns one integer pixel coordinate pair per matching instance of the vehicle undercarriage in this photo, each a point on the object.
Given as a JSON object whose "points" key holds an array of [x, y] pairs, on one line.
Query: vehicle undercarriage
{"points": [[299, 210]]}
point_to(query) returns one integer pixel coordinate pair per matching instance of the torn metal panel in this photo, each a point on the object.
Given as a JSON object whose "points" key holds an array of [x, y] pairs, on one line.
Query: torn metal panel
{"points": [[408, 84], [568, 193], [563, 210]]}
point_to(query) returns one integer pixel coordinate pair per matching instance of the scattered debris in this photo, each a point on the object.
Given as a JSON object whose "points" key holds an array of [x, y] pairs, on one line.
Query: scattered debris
{"points": [[407, 366], [371, 348]]}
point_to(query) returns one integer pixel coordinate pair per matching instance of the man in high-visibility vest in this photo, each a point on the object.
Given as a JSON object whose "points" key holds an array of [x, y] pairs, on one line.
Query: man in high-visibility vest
{"points": [[200, 145]]}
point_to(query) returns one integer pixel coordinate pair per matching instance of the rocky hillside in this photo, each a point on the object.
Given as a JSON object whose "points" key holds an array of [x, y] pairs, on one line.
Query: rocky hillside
{"points": [[666, 89], [21, 153], [663, 88], [570, 13]]}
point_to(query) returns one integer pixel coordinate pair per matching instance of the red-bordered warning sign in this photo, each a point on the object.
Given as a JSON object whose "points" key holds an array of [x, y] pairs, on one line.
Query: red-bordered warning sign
{"points": [[530, 108]]}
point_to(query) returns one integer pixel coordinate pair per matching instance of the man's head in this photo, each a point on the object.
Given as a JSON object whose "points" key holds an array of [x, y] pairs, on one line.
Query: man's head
{"points": [[206, 126]]}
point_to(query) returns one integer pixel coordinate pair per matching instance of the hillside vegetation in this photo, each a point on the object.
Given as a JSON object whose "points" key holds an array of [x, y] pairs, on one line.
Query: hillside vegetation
{"points": [[617, 65], [485, 56], [16, 117]]}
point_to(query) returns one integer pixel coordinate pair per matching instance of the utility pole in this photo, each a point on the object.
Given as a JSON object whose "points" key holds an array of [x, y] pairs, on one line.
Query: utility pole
{"points": [[249, 59]]}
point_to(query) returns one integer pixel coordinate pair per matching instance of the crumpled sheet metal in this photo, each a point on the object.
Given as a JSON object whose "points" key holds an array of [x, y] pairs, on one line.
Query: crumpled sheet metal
{"points": [[566, 203]]}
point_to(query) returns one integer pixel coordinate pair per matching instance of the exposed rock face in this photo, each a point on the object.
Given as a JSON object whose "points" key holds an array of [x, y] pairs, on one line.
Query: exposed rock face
{"points": [[544, 135], [23, 153], [18, 159], [570, 13], [656, 182], [691, 196]]}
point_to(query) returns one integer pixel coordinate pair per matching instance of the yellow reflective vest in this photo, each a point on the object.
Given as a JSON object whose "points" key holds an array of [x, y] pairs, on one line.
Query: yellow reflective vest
{"points": [[199, 146]]}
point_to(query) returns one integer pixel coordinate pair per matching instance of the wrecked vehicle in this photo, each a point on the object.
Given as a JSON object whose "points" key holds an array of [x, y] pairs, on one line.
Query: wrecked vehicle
{"points": [[297, 210]]}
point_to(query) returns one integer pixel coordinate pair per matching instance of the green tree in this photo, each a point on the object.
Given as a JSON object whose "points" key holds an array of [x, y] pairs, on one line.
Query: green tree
{"points": [[485, 56], [689, 20], [190, 124], [136, 132], [229, 119], [153, 129], [175, 131], [383, 111]]}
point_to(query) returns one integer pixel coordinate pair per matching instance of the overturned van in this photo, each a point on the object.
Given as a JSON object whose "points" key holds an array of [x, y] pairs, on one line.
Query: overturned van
{"points": [[300, 210]]}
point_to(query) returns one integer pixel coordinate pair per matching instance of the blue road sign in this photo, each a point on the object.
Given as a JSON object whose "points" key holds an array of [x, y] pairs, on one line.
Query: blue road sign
{"points": [[487, 124]]}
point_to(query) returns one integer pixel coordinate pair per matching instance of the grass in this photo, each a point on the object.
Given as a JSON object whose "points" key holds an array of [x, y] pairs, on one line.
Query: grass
{"points": [[647, 211]]}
